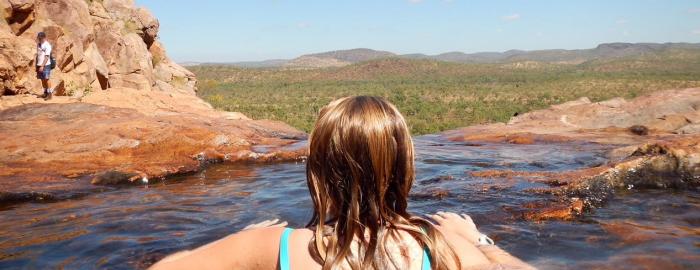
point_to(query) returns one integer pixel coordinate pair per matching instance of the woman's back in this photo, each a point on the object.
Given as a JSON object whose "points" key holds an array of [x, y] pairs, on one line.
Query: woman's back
{"points": [[403, 253], [359, 172]]}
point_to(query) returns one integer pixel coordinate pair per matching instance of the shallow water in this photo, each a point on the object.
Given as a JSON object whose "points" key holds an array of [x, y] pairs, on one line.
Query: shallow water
{"points": [[125, 228]]}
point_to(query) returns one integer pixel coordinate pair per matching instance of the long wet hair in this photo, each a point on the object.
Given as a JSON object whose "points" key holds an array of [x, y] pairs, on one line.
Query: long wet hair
{"points": [[359, 173]]}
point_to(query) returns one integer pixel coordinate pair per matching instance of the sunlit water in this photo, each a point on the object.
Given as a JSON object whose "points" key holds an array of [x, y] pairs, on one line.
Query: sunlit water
{"points": [[132, 227]]}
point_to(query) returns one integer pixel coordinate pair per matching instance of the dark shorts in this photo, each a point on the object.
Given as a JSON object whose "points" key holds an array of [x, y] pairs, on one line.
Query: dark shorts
{"points": [[45, 75]]}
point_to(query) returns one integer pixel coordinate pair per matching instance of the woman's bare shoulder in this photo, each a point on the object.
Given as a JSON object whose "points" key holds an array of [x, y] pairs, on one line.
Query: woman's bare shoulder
{"points": [[248, 249]]}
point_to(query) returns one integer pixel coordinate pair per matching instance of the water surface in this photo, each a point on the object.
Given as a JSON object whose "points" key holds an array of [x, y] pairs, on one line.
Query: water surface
{"points": [[126, 228]]}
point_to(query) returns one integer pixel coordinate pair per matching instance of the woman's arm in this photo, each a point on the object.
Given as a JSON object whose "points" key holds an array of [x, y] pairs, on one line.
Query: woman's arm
{"points": [[256, 247], [500, 257], [464, 228]]}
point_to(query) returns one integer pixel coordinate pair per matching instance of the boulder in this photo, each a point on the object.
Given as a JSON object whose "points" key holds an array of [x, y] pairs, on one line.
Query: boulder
{"points": [[135, 81], [97, 44], [16, 64], [19, 15]]}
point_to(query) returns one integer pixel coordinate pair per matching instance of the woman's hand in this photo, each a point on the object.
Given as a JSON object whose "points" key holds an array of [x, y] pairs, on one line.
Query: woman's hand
{"points": [[266, 224], [453, 224]]}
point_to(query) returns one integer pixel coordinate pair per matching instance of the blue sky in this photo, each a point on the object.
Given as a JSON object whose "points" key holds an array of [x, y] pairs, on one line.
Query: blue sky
{"points": [[226, 31]]}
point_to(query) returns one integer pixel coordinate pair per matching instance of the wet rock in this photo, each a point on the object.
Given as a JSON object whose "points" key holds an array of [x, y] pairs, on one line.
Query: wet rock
{"points": [[116, 146], [31, 196], [631, 233], [658, 147], [113, 177], [438, 179], [669, 164], [435, 194], [548, 210]]}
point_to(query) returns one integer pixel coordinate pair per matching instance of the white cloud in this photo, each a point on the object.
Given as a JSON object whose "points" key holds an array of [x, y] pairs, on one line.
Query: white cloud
{"points": [[621, 21], [303, 25], [694, 10], [513, 17], [415, 1], [695, 32]]}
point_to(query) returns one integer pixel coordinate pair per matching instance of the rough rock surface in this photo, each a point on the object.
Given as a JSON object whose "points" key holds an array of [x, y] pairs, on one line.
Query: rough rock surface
{"points": [[97, 44], [124, 112], [54, 147], [662, 113], [658, 146]]}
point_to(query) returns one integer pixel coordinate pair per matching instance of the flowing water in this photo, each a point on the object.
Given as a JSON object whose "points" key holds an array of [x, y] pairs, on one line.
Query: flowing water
{"points": [[126, 228]]}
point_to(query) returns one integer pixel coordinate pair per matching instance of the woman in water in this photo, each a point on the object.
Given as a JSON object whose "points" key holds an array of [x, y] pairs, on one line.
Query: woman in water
{"points": [[359, 173]]}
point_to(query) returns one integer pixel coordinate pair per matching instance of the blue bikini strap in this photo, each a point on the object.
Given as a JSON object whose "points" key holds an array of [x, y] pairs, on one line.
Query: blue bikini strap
{"points": [[426, 259], [426, 256], [284, 249]]}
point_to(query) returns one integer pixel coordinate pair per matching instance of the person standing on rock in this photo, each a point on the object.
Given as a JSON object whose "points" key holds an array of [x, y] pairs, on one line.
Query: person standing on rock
{"points": [[43, 63]]}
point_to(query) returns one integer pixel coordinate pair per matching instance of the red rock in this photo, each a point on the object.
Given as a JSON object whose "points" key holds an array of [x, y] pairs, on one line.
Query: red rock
{"points": [[122, 146], [98, 45], [665, 154], [664, 112]]}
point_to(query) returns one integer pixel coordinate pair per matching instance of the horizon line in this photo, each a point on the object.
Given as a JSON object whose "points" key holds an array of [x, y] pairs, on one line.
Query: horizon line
{"points": [[420, 53]]}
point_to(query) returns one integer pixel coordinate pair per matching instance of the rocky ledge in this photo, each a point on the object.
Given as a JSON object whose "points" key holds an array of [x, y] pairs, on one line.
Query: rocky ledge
{"points": [[58, 149], [656, 141], [124, 112]]}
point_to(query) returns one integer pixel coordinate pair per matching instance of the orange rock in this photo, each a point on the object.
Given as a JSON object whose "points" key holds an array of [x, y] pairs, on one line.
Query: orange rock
{"points": [[631, 233], [548, 213], [123, 146], [98, 45], [663, 112], [440, 194]]}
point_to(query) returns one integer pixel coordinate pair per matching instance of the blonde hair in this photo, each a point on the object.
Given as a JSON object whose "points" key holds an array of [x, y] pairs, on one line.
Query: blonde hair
{"points": [[359, 173]]}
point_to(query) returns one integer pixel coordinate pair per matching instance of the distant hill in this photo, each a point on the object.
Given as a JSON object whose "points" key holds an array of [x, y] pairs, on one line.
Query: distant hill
{"points": [[336, 58], [261, 64], [603, 51], [354, 55]]}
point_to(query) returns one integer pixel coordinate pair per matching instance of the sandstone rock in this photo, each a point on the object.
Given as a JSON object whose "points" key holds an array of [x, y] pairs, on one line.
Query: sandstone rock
{"points": [[149, 26], [16, 64], [689, 129], [51, 142], [124, 111], [92, 41], [663, 112], [133, 80], [668, 123], [101, 71], [19, 15], [657, 145]]}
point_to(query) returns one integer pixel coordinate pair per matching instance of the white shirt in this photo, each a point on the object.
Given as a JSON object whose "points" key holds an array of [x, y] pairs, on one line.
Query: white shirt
{"points": [[42, 52]]}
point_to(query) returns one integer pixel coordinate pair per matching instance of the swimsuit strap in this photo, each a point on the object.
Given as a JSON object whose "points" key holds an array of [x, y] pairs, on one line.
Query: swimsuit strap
{"points": [[426, 254], [426, 259], [284, 249]]}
